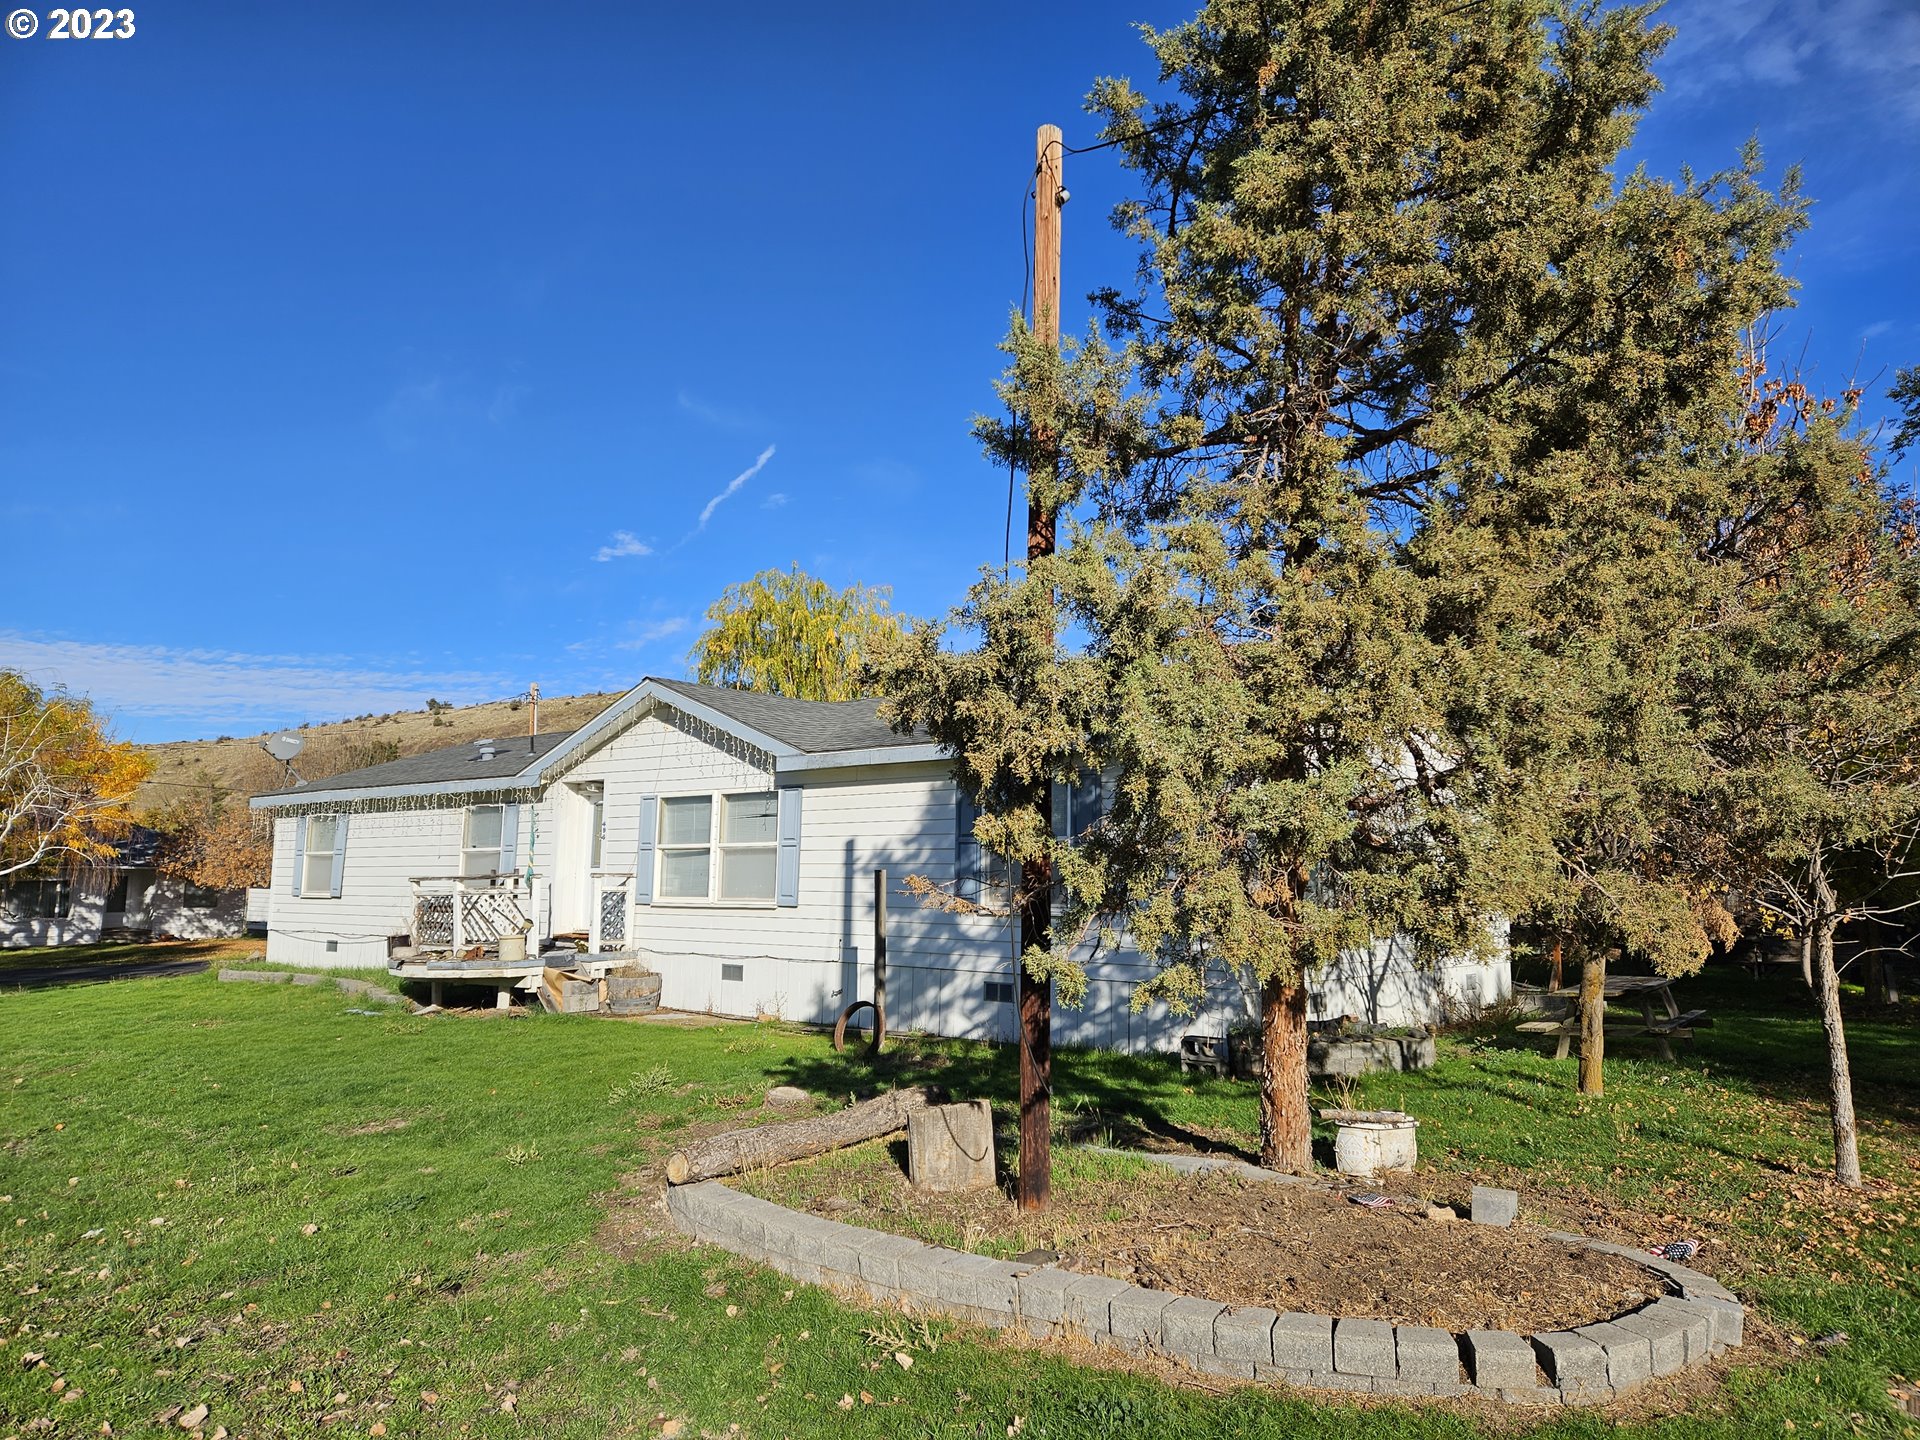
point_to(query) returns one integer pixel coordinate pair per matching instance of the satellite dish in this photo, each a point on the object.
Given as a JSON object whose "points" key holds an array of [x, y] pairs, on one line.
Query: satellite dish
{"points": [[282, 747]]}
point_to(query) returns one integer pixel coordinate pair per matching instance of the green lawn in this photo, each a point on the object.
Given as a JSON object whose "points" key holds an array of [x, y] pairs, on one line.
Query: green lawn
{"points": [[207, 1196]]}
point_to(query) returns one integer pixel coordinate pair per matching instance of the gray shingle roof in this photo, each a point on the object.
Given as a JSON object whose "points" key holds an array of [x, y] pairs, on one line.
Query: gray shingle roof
{"points": [[456, 762], [811, 726]]}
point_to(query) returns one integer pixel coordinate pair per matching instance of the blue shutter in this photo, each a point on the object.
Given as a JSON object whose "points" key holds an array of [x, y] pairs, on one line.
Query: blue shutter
{"points": [[299, 850], [643, 858], [1063, 817], [966, 849], [339, 854], [509, 838], [786, 889]]}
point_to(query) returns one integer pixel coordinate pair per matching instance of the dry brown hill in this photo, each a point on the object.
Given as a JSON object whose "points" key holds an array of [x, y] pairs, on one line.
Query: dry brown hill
{"points": [[236, 766]]}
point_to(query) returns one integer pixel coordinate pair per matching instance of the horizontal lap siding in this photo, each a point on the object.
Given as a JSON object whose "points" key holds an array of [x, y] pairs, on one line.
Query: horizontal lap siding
{"points": [[383, 852]]}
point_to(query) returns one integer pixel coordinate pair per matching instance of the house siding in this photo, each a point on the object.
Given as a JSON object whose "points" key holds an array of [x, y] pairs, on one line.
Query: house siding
{"points": [[385, 850], [807, 961]]}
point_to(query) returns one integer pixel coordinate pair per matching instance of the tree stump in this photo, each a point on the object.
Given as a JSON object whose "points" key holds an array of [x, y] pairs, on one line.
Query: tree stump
{"points": [[950, 1147]]}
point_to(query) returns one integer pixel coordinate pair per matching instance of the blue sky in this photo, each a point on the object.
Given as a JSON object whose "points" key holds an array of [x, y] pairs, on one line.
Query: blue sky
{"points": [[356, 353]]}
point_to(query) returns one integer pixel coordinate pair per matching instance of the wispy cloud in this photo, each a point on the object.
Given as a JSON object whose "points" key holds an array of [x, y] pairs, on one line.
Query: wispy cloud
{"points": [[652, 632], [733, 486], [230, 691], [773, 501], [1870, 46], [623, 544], [717, 415]]}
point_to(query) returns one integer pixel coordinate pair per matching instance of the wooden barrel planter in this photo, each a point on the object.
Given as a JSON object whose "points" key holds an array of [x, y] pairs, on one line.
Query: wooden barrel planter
{"points": [[633, 994]]}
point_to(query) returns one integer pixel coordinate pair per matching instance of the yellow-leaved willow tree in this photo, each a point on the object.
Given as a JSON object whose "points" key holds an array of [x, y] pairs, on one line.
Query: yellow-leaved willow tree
{"points": [[785, 632]]}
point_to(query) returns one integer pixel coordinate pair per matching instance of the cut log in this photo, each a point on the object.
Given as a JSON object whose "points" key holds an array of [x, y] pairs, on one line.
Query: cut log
{"points": [[739, 1150]]}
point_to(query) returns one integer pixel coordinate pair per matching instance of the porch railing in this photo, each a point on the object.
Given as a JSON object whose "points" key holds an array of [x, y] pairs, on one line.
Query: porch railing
{"points": [[610, 922], [457, 912]]}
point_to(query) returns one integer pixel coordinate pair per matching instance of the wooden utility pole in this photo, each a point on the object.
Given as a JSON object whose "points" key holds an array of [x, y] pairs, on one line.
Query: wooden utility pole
{"points": [[1036, 877]]}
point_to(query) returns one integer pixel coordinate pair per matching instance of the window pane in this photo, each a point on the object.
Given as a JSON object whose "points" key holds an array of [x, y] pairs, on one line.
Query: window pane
{"points": [[752, 819], [747, 874], [479, 862], [319, 877], [321, 830], [483, 827], [686, 820], [683, 874]]}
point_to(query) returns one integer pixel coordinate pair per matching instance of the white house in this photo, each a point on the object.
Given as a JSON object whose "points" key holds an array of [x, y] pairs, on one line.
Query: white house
{"points": [[124, 898], [731, 839]]}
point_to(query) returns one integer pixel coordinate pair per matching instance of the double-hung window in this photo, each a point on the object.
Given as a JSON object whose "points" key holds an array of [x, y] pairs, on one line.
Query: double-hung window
{"points": [[323, 840], [480, 844], [749, 845], [723, 847]]}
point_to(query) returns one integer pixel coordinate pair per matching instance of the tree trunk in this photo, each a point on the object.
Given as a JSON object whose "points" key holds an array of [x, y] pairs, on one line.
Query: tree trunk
{"points": [[1286, 1130], [739, 1150], [1035, 1188], [1846, 1137], [1557, 978], [1593, 1022]]}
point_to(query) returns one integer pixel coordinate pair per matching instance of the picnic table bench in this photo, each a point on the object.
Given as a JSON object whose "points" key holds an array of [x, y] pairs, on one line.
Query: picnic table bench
{"points": [[1648, 991]]}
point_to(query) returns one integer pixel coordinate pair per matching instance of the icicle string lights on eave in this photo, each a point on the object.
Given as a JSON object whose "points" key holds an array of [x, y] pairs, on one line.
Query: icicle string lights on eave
{"points": [[400, 804]]}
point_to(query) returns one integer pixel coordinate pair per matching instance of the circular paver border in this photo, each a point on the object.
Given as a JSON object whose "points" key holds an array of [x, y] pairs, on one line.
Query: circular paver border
{"points": [[1585, 1364]]}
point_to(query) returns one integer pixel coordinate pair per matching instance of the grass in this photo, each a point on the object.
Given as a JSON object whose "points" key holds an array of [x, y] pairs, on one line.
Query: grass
{"points": [[81, 958], [319, 1222]]}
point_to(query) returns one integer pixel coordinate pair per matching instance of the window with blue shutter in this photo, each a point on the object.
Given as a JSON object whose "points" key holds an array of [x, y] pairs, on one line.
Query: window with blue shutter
{"points": [[509, 839], [643, 858], [787, 880], [299, 851]]}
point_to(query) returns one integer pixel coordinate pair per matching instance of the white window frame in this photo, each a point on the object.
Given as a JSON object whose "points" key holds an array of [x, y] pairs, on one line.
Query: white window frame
{"points": [[467, 847], [322, 891], [716, 846]]}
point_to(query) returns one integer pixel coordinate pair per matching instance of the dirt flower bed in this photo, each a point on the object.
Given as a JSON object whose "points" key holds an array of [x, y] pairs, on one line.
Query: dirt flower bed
{"points": [[1288, 1247]]}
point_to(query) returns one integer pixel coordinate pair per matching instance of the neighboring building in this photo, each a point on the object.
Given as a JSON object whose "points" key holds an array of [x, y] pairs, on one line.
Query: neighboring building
{"points": [[125, 898], [731, 839]]}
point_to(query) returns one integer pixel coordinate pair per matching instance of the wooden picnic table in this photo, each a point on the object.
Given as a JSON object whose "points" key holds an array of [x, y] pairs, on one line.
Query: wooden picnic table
{"points": [[1662, 1020]]}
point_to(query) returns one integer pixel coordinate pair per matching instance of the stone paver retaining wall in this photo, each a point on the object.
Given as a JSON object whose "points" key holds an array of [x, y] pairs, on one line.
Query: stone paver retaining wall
{"points": [[1586, 1364]]}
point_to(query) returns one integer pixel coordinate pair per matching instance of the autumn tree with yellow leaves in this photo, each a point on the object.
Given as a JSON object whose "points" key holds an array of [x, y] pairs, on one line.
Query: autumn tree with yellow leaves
{"points": [[65, 783], [786, 633]]}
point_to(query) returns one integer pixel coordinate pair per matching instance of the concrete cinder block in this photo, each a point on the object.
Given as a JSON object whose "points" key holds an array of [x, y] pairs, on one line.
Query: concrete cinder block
{"points": [[1695, 1322], [1186, 1326], [919, 1271], [1629, 1357], [1214, 1365], [880, 1256], [1493, 1206], [1340, 1380], [1500, 1360], [1728, 1315], [1666, 1337], [1133, 1317], [1360, 1347], [1088, 1301], [1572, 1362], [1305, 1342], [1043, 1298], [978, 1287], [1425, 1353], [1246, 1335]]}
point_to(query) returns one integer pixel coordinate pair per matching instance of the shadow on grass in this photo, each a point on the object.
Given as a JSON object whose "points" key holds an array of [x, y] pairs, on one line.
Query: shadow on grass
{"points": [[1125, 1097]]}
